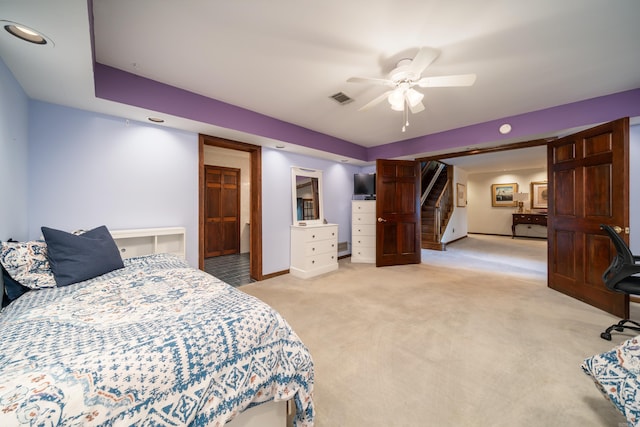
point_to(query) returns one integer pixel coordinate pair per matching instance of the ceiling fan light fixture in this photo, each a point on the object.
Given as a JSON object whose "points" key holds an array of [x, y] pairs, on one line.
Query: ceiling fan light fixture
{"points": [[396, 99], [414, 97]]}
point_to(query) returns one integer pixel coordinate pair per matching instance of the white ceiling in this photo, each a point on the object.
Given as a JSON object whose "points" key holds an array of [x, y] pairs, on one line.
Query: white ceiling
{"points": [[284, 58]]}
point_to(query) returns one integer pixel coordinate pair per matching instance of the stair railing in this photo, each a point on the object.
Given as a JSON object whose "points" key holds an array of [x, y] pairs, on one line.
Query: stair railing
{"points": [[425, 192], [442, 205]]}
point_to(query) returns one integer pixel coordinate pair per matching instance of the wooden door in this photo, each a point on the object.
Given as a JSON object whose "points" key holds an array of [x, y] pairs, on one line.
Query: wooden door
{"points": [[222, 211], [398, 212], [588, 186]]}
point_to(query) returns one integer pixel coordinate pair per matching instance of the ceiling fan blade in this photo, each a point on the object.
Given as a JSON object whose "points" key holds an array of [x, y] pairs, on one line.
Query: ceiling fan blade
{"points": [[448, 81], [375, 101], [370, 80], [423, 59]]}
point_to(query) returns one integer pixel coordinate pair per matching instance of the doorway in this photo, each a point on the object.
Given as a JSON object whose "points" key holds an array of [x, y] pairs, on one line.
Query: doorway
{"points": [[254, 223]]}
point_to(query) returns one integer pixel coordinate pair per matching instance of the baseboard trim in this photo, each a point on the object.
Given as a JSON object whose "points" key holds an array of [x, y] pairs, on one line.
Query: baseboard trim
{"points": [[283, 272], [276, 274], [508, 235], [455, 240]]}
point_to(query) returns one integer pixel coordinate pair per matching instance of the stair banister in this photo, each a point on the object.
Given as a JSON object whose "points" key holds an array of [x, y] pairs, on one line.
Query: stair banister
{"points": [[426, 191]]}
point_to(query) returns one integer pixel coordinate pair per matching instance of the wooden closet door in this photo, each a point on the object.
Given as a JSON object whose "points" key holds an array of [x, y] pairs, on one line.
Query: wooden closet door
{"points": [[222, 211], [588, 186]]}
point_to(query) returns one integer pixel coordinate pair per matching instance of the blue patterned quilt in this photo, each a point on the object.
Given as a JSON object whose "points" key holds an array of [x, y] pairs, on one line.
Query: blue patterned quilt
{"points": [[155, 343], [616, 374]]}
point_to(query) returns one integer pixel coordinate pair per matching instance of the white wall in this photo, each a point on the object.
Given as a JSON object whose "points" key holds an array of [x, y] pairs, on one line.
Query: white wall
{"points": [[459, 222], [89, 169], [486, 219], [277, 209], [14, 134], [218, 156]]}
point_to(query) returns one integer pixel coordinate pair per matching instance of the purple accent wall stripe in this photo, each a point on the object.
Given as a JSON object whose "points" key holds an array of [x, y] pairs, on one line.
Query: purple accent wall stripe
{"points": [[127, 88], [576, 114]]}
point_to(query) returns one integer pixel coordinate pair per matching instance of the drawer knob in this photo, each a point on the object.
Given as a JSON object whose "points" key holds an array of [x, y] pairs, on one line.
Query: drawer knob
{"points": [[313, 261], [313, 236]]}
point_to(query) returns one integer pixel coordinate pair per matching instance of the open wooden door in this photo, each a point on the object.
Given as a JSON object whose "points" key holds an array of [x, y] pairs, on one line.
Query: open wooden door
{"points": [[398, 212], [588, 186]]}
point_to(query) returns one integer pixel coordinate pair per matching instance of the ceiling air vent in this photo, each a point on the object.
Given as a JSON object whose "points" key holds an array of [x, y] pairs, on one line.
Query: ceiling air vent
{"points": [[341, 98]]}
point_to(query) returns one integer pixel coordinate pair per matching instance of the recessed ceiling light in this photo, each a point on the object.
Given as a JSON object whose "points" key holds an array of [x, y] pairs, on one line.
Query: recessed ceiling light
{"points": [[505, 128], [156, 120], [25, 33]]}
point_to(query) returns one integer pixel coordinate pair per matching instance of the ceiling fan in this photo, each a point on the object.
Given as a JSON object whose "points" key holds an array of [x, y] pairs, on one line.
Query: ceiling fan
{"points": [[407, 74]]}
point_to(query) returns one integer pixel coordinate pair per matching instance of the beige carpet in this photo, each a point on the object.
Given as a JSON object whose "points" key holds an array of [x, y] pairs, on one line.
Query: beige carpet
{"points": [[470, 337]]}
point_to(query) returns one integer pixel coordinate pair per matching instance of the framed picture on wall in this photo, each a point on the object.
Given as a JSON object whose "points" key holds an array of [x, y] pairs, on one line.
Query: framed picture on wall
{"points": [[502, 194], [461, 195], [539, 197]]}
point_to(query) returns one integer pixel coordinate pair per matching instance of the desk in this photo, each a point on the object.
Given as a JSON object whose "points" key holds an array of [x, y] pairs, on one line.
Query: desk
{"points": [[527, 218]]}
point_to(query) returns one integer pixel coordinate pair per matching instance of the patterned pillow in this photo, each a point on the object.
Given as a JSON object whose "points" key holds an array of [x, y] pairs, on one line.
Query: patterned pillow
{"points": [[27, 263]]}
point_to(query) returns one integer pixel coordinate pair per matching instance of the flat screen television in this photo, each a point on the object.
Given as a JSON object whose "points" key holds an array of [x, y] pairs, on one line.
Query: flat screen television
{"points": [[364, 184]]}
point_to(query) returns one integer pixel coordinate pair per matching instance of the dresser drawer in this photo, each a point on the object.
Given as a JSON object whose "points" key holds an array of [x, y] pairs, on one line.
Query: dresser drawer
{"points": [[361, 241], [321, 247], [367, 253], [321, 233], [366, 206], [363, 230], [320, 261], [363, 218]]}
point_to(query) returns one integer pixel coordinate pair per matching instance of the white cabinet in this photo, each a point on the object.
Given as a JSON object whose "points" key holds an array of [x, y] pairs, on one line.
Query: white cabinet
{"points": [[363, 231], [314, 249], [147, 241]]}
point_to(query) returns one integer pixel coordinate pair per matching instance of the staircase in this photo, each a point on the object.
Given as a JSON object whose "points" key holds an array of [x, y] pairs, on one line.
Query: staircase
{"points": [[436, 202]]}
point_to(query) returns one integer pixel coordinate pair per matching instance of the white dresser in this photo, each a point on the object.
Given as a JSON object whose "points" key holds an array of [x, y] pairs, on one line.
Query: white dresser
{"points": [[314, 249], [363, 231]]}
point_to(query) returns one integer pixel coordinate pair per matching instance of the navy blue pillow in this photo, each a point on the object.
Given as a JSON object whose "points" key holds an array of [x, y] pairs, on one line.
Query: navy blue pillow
{"points": [[12, 289], [75, 258]]}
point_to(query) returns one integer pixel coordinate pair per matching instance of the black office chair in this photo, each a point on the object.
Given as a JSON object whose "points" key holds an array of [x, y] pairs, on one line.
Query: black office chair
{"points": [[620, 277]]}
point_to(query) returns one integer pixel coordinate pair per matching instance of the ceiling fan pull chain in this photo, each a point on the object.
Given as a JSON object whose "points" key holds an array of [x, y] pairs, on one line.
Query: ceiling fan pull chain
{"points": [[405, 119]]}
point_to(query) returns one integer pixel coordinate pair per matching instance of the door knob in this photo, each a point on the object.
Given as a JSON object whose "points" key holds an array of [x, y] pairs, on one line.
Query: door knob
{"points": [[617, 229], [382, 220]]}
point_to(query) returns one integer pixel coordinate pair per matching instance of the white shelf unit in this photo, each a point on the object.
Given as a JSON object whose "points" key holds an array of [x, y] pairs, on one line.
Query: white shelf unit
{"points": [[147, 241], [363, 231]]}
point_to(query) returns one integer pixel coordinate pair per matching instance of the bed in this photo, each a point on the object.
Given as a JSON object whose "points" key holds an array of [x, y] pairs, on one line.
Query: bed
{"points": [[616, 375], [151, 342]]}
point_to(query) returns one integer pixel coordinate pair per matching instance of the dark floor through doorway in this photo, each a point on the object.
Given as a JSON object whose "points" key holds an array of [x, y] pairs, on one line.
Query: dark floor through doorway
{"points": [[232, 269]]}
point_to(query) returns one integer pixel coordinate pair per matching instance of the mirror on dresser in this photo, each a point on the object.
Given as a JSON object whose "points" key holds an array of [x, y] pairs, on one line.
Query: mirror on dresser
{"points": [[306, 193]]}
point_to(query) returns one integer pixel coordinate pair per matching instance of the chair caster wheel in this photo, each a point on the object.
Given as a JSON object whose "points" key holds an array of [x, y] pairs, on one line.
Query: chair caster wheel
{"points": [[605, 336], [619, 329]]}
